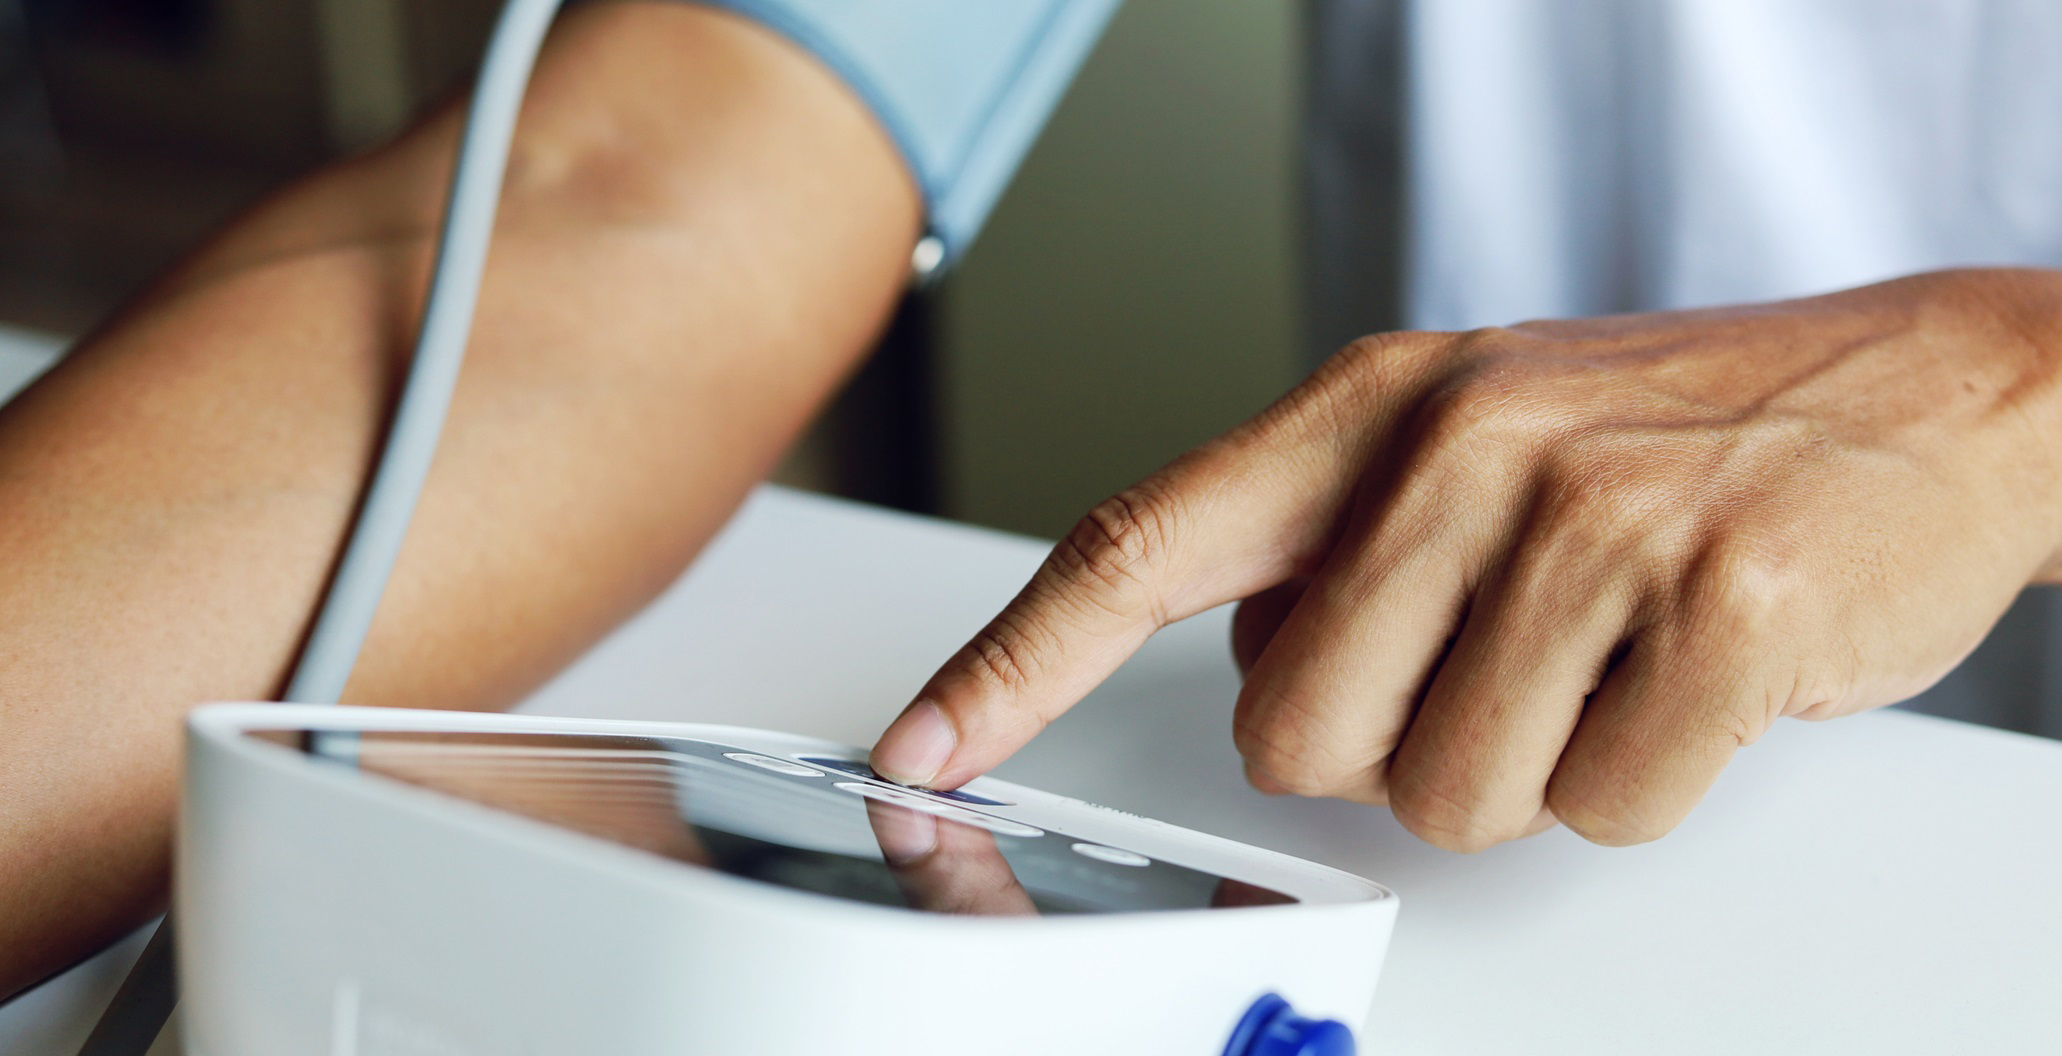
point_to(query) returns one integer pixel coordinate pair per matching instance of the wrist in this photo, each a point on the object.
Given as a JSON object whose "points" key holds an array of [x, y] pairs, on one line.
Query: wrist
{"points": [[2021, 312]]}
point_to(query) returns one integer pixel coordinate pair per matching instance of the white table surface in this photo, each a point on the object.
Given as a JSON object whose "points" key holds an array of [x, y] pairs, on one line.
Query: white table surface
{"points": [[1888, 883], [1884, 884]]}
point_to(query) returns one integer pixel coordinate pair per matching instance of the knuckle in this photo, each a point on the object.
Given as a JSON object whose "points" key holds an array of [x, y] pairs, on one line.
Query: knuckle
{"points": [[1604, 503], [1377, 349], [1376, 362], [1609, 521], [1292, 746], [1002, 656], [1738, 589], [1498, 401], [1817, 712], [1119, 544], [1449, 818], [1739, 723], [1607, 820], [1344, 395], [1741, 709]]}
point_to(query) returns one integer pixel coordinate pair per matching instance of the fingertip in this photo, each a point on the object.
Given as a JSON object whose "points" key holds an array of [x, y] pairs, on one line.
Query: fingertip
{"points": [[917, 746]]}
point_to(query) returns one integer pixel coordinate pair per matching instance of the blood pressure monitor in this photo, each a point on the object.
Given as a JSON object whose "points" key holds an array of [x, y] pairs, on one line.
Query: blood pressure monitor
{"points": [[386, 883], [373, 882]]}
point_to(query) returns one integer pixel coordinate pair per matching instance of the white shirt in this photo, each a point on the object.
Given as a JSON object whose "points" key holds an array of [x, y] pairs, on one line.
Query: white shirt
{"points": [[1578, 157], [1559, 158]]}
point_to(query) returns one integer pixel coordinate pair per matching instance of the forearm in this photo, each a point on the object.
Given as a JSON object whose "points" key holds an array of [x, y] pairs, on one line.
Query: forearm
{"points": [[700, 235]]}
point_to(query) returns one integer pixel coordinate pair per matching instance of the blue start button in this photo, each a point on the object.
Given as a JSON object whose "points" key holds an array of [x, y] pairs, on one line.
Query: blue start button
{"points": [[1272, 1028]]}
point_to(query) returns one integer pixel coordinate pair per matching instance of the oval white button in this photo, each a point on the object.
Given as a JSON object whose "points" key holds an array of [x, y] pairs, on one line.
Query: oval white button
{"points": [[1112, 855], [778, 766], [914, 800]]}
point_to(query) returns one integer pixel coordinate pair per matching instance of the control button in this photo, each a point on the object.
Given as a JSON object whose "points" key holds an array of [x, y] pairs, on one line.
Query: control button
{"points": [[1112, 855], [884, 793], [915, 800], [859, 769], [962, 796], [1272, 1028], [778, 766]]}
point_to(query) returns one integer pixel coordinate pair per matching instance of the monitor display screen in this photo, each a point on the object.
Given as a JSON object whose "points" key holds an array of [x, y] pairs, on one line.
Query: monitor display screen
{"points": [[817, 824]]}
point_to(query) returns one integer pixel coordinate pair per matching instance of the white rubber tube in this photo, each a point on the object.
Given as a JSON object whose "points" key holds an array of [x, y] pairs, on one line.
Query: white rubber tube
{"points": [[138, 1012]]}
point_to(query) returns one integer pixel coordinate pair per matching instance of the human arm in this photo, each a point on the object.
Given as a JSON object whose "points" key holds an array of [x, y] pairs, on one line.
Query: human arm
{"points": [[1562, 571], [701, 232]]}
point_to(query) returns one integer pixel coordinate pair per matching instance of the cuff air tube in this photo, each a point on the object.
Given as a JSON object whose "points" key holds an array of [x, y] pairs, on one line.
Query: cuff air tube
{"points": [[962, 86]]}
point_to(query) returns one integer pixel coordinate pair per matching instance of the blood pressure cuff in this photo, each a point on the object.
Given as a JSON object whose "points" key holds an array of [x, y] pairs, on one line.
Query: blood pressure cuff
{"points": [[962, 86]]}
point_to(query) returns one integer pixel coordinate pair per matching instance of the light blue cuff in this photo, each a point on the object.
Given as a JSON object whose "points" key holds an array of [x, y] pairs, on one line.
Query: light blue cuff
{"points": [[963, 86]]}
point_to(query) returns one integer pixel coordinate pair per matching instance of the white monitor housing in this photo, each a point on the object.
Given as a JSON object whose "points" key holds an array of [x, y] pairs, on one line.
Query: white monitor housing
{"points": [[373, 882]]}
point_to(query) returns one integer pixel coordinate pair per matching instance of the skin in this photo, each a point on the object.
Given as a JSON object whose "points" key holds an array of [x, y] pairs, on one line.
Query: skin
{"points": [[702, 232], [1563, 571], [1560, 571]]}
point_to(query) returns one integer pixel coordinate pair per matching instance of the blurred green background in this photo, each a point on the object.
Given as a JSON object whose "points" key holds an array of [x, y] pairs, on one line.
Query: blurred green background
{"points": [[1136, 292]]}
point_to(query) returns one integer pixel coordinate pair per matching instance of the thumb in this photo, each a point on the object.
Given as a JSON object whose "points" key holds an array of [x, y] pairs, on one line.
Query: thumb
{"points": [[1207, 530]]}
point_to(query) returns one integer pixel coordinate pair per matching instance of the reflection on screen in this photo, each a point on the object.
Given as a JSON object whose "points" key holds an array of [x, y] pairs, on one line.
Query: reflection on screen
{"points": [[684, 800]]}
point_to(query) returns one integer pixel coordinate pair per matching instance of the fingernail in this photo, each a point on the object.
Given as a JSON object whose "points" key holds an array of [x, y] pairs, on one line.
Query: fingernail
{"points": [[917, 746], [904, 835]]}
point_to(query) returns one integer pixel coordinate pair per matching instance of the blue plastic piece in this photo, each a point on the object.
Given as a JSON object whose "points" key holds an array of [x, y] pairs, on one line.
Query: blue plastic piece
{"points": [[963, 86], [1272, 1028]]}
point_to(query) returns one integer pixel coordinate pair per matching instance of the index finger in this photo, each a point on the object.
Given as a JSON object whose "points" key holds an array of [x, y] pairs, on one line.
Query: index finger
{"points": [[1234, 517]]}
